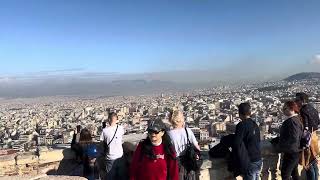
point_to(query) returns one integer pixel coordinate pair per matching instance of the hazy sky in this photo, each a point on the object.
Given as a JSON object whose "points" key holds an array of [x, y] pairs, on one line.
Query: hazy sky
{"points": [[136, 36]]}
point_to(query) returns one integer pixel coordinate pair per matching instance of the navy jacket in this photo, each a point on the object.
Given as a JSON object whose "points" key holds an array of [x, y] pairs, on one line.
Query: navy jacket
{"points": [[246, 145]]}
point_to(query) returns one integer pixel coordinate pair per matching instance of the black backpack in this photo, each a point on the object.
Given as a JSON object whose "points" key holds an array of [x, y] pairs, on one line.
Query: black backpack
{"points": [[189, 157], [221, 150]]}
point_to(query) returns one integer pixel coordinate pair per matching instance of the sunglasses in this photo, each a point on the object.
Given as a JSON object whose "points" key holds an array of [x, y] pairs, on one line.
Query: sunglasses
{"points": [[153, 132]]}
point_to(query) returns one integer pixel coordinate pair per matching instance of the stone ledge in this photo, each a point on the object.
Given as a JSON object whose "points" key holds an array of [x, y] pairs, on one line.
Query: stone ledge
{"points": [[218, 168], [210, 169], [43, 177]]}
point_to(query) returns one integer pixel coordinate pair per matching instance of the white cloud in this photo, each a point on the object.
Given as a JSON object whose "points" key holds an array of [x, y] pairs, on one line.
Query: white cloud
{"points": [[5, 80], [316, 59]]}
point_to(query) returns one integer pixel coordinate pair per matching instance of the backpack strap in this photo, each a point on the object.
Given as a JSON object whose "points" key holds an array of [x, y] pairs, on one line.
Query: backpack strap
{"points": [[304, 121], [113, 136]]}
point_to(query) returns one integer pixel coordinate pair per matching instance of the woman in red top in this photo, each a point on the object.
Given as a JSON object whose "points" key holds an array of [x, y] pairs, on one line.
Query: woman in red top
{"points": [[155, 158]]}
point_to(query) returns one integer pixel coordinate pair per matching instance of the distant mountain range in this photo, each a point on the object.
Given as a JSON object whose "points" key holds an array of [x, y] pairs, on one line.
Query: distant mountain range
{"points": [[303, 76], [81, 86], [87, 88]]}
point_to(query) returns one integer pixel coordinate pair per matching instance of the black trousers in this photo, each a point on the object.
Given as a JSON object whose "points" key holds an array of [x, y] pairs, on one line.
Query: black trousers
{"points": [[289, 167], [184, 175]]}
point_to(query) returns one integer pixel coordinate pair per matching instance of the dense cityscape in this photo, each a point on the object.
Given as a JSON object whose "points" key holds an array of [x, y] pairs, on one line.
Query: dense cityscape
{"points": [[49, 122], [159, 90]]}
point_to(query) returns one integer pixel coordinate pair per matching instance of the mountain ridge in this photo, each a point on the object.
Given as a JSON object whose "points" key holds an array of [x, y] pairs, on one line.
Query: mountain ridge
{"points": [[303, 76]]}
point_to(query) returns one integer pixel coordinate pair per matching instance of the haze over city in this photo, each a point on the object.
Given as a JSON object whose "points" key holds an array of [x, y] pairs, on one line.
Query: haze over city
{"points": [[82, 45], [159, 89]]}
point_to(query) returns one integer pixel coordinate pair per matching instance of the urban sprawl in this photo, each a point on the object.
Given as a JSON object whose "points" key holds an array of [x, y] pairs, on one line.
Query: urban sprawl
{"points": [[49, 122]]}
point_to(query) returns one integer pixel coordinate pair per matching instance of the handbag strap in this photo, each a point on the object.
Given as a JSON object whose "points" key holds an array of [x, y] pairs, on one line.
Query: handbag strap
{"points": [[185, 128]]}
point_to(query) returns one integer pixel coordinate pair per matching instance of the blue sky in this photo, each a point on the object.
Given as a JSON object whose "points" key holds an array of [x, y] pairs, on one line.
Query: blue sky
{"points": [[136, 36]]}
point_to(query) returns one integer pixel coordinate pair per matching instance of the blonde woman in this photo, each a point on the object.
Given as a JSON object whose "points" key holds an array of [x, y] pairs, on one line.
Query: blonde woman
{"points": [[181, 136]]}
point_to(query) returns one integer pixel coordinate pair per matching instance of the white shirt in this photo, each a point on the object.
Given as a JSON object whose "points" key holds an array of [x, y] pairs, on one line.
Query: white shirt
{"points": [[180, 141], [78, 138], [116, 150]]}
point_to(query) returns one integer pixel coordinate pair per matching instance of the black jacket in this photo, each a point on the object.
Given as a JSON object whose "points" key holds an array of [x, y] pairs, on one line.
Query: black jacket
{"points": [[290, 135], [310, 117], [247, 144]]}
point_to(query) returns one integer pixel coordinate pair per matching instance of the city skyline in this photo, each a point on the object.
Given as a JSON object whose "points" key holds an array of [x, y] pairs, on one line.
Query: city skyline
{"points": [[112, 38], [77, 63]]}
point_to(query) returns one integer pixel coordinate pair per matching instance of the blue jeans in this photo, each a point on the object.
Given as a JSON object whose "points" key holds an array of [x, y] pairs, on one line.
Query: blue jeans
{"points": [[254, 171], [313, 172]]}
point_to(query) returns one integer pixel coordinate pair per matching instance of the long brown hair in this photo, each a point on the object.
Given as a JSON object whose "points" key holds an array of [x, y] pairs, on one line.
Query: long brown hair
{"points": [[85, 136]]}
